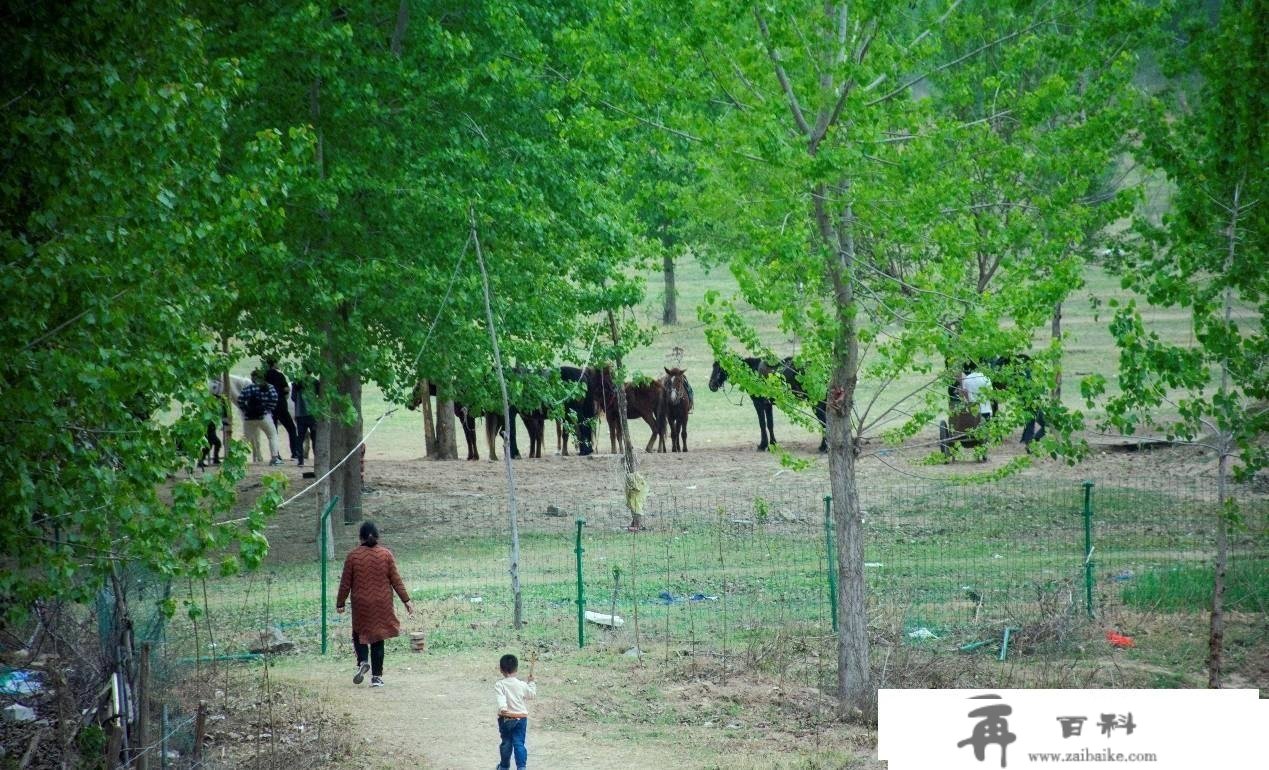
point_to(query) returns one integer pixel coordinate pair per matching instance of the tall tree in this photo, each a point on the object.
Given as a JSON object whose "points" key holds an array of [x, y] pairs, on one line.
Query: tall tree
{"points": [[1207, 255], [825, 133], [118, 222], [417, 115]]}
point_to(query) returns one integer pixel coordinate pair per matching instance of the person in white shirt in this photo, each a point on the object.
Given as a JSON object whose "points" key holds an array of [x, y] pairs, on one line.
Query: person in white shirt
{"points": [[976, 386], [513, 712]]}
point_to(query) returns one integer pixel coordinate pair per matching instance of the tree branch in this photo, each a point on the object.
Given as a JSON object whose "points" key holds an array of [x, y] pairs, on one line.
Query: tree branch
{"points": [[929, 29], [947, 65], [785, 85]]}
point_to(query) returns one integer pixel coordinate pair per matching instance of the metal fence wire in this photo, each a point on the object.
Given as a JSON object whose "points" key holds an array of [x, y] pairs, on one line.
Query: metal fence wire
{"points": [[947, 564]]}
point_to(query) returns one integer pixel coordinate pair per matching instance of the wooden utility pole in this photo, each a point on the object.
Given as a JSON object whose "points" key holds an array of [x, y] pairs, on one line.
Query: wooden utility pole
{"points": [[506, 447]]}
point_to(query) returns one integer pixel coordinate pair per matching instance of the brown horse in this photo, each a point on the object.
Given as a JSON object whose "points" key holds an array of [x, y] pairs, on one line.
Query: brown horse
{"points": [[642, 402], [676, 405], [467, 419]]}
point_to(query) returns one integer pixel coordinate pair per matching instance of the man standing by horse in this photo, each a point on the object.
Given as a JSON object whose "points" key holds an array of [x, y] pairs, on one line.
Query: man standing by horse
{"points": [[257, 402], [282, 412]]}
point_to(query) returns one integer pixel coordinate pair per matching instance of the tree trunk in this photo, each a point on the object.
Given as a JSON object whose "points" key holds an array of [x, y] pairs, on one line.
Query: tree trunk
{"points": [[446, 438], [228, 406], [1216, 633], [853, 668], [670, 316], [327, 450], [430, 447], [321, 464], [627, 448], [854, 674], [1056, 333], [350, 386]]}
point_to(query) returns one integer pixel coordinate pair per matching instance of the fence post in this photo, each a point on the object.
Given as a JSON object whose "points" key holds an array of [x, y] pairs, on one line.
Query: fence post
{"points": [[163, 739], [1088, 547], [200, 731], [142, 759], [581, 590], [832, 558], [321, 535]]}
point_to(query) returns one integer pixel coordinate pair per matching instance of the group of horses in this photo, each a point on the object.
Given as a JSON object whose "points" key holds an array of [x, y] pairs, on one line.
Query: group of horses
{"points": [[663, 404]]}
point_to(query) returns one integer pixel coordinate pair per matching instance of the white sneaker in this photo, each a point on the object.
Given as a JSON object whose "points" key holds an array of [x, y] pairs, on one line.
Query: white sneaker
{"points": [[360, 676], [376, 681]]}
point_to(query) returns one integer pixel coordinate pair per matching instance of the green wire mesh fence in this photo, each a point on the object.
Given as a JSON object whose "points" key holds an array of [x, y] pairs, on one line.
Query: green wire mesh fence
{"points": [[947, 563], [721, 583]]}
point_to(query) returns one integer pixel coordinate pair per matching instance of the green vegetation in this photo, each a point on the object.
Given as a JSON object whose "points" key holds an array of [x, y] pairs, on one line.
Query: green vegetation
{"points": [[1190, 588]]}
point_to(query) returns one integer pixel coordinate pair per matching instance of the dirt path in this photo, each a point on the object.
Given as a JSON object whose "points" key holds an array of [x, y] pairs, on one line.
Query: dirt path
{"points": [[439, 715]]}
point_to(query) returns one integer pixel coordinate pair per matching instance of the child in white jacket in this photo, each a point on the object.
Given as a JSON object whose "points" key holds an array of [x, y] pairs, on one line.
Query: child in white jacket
{"points": [[513, 712]]}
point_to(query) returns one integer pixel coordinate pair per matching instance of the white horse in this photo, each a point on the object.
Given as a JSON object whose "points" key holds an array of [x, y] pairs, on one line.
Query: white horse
{"points": [[236, 384]]}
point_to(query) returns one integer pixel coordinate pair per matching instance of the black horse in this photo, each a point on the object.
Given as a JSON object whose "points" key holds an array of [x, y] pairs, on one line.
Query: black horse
{"points": [[585, 406], [792, 376]]}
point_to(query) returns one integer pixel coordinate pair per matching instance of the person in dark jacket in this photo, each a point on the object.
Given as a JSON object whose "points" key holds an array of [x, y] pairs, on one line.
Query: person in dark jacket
{"points": [[305, 422], [282, 411], [257, 401], [370, 578], [213, 440]]}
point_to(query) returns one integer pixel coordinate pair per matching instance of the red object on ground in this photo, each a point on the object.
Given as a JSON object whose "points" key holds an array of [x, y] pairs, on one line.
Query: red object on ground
{"points": [[1117, 639]]}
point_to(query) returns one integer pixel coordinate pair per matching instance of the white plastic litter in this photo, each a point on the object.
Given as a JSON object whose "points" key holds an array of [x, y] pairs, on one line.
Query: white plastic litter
{"points": [[19, 713], [604, 619]]}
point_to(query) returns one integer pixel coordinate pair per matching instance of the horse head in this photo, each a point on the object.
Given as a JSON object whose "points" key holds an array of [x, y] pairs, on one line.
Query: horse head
{"points": [[717, 377], [416, 396], [236, 384], [676, 385]]}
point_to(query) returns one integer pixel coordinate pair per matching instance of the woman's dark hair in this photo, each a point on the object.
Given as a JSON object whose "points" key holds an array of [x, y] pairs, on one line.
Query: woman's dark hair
{"points": [[508, 664], [369, 533]]}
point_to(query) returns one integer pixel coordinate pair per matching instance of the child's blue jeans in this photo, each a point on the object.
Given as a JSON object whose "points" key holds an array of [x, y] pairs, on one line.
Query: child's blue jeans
{"points": [[512, 732]]}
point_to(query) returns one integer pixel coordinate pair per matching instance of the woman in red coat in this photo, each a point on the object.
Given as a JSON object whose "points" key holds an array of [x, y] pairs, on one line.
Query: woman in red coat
{"points": [[370, 576]]}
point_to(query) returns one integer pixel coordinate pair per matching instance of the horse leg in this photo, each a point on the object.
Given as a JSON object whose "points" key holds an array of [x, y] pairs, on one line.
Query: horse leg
{"points": [[469, 435], [770, 412], [762, 425], [537, 436], [684, 433], [491, 436], [821, 414], [561, 439], [511, 435], [652, 424]]}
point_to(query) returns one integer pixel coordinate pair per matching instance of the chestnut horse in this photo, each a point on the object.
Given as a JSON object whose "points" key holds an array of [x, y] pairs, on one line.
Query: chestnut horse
{"points": [[642, 402], [676, 405]]}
